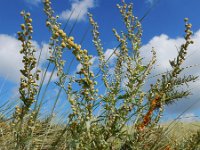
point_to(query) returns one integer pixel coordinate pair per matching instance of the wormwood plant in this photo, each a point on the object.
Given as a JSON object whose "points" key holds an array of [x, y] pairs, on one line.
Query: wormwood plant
{"points": [[128, 116]]}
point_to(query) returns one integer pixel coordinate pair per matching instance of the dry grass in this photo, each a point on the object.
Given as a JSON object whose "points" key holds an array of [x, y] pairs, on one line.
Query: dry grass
{"points": [[121, 108], [180, 130]]}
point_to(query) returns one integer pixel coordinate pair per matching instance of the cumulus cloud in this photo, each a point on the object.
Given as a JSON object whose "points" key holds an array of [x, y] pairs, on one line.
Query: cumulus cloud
{"points": [[109, 54], [166, 49], [11, 59], [79, 8]]}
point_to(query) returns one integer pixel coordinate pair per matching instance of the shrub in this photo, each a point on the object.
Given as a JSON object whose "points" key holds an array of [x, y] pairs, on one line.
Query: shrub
{"points": [[128, 116]]}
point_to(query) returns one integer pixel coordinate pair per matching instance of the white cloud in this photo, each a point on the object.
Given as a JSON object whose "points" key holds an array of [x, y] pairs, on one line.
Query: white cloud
{"points": [[79, 66], [11, 59], [108, 55], [48, 75], [189, 117], [79, 8], [166, 49]]}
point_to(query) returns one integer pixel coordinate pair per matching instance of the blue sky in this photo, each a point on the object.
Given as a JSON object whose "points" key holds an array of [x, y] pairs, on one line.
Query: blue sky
{"points": [[163, 29]]}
